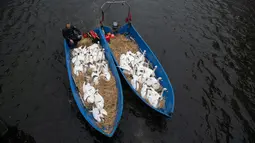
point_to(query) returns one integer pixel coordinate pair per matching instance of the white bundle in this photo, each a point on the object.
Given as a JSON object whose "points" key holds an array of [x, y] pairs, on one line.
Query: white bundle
{"points": [[92, 96], [134, 64], [92, 59]]}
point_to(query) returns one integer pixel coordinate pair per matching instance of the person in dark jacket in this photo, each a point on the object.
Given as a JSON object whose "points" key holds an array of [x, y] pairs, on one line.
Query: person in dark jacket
{"points": [[72, 35]]}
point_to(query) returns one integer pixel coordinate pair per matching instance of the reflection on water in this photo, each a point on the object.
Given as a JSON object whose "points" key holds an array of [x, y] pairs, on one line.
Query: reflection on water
{"points": [[17, 136], [13, 135], [205, 46]]}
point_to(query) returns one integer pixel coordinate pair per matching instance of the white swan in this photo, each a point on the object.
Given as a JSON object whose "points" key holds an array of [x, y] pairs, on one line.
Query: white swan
{"points": [[92, 59], [134, 82], [96, 114], [99, 101], [153, 97], [95, 77], [152, 81], [134, 64], [144, 90], [102, 111], [149, 72], [88, 93]]}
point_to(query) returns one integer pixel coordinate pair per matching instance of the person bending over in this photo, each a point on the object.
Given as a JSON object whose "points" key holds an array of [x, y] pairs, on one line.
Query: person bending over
{"points": [[72, 35]]}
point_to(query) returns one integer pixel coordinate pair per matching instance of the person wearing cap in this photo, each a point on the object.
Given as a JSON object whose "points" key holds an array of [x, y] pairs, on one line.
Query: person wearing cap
{"points": [[72, 35]]}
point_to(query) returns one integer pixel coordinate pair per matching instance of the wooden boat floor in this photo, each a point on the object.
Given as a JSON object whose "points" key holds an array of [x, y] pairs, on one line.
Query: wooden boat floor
{"points": [[121, 45], [108, 90]]}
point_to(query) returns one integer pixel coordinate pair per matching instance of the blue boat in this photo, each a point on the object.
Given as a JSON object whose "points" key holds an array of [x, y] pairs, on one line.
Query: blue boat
{"points": [[86, 114], [130, 31]]}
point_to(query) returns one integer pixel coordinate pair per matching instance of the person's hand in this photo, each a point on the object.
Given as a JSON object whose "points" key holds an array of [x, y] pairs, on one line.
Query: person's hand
{"points": [[71, 41]]}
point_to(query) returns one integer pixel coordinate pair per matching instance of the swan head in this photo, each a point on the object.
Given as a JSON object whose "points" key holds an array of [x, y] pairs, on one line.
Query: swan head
{"points": [[164, 89], [96, 114], [90, 99], [162, 92]]}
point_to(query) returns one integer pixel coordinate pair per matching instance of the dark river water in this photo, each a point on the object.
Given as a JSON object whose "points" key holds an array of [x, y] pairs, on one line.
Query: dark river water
{"points": [[207, 48]]}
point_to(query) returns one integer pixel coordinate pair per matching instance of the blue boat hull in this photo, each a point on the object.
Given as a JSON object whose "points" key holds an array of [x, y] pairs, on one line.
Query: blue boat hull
{"points": [[86, 114], [169, 95]]}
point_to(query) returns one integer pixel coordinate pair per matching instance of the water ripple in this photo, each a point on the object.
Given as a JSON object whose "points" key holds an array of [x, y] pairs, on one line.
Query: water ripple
{"points": [[211, 40]]}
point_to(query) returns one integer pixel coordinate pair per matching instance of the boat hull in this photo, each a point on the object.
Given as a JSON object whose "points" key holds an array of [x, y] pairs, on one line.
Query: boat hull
{"points": [[169, 95], [86, 113]]}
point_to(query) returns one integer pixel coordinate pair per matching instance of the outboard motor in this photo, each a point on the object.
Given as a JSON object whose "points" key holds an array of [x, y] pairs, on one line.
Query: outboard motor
{"points": [[115, 27]]}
